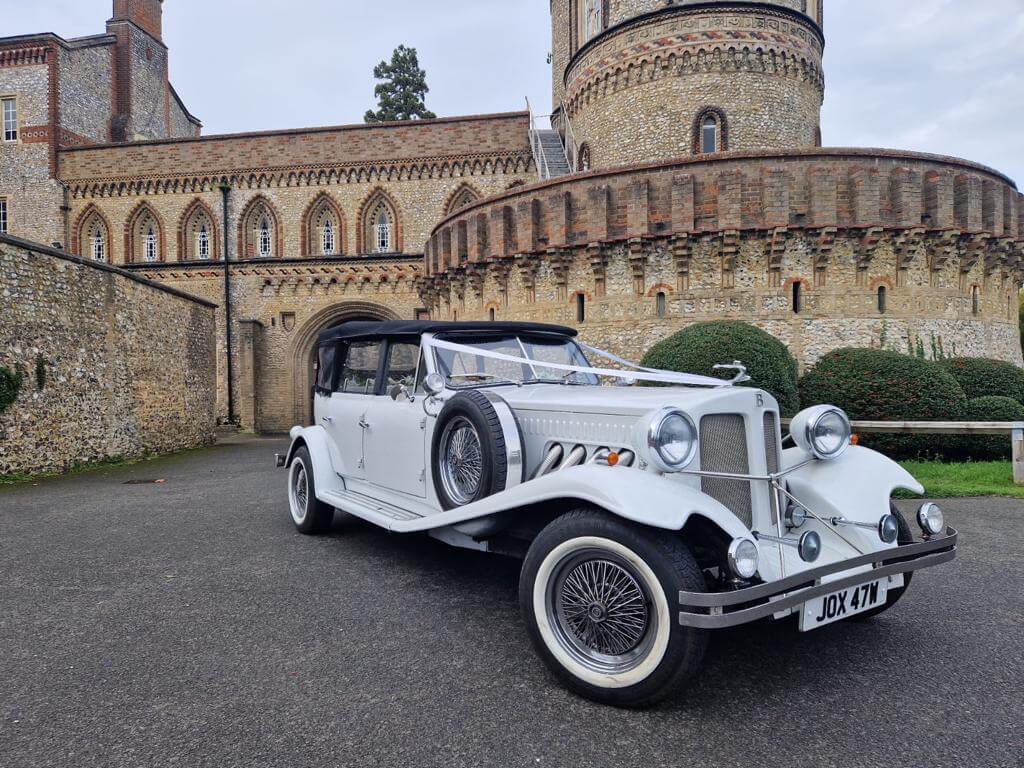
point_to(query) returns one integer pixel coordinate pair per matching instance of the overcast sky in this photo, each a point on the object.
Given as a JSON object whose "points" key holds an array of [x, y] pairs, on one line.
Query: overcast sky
{"points": [[943, 76]]}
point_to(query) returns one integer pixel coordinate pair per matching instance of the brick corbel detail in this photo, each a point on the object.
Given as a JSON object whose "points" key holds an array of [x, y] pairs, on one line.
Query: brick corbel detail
{"points": [[972, 249], [682, 257], [528, 266], [638, 264], [776, 255], [729, 244], [943, 247], [865, 249], [598, 259], [821, 253]]}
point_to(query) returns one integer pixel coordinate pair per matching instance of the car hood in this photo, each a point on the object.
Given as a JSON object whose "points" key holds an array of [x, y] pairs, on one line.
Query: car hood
{"points": [[633, 401]]}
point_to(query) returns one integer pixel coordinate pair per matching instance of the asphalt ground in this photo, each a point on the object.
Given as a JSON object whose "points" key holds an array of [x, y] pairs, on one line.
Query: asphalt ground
{"points": [[186, 623]]}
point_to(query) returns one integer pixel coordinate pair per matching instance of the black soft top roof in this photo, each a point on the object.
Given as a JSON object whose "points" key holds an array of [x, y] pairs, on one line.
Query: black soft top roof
{"points": [[362, 331]]}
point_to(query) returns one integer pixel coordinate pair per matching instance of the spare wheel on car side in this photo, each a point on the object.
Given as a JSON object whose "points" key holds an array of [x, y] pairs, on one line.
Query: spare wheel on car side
{"points": [[477, 449]]}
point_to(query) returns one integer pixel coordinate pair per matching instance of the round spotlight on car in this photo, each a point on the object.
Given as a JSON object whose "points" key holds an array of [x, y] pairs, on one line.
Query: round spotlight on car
{"points": [[888, 528], [931, 519], [743, 556], [810, 547], [823, 431], [796, 516], [672, 440]]}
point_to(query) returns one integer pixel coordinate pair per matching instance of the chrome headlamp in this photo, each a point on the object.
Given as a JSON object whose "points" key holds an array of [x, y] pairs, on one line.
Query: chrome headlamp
{"points": [[823, 431], [671, 440], [743, 557], [931, 519]]}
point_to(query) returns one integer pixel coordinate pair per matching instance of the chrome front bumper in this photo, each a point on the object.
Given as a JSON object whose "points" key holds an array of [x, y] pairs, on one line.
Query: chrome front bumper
{"points": [[720, 610]]}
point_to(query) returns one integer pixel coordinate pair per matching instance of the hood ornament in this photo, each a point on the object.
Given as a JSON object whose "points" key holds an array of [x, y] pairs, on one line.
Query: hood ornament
{"points": [[741, 372]]}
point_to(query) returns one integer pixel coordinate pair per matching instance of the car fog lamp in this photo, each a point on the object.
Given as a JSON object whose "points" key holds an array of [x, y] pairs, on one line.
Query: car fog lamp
{"points": [[888, 528], [672, 440], [931, 519], [796, 516], [810, 547], [823, 431], [743, 557]]}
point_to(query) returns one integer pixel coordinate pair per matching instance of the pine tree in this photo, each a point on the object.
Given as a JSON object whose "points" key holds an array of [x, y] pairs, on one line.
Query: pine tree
{"points": [[402, 94]]}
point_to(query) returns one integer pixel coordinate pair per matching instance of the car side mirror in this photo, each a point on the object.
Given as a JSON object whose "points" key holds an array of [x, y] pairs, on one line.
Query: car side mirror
{"points": [[433, 385], [401, 391]]}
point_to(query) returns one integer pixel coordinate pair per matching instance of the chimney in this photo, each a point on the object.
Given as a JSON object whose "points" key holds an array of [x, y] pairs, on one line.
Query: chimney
{"points": [[147, 15]]}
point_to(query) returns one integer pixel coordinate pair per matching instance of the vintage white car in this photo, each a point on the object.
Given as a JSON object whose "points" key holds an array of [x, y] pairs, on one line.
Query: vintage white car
{"points": [[645, 515]]}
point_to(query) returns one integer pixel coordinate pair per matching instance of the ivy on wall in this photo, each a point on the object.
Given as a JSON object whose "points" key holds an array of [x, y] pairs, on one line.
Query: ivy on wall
{"points": [[10, 387]]}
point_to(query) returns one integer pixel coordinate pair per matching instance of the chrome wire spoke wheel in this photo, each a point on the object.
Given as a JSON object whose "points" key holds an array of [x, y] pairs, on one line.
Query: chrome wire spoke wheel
{"points": [[299, 492], [601, 611], [462, 461]]}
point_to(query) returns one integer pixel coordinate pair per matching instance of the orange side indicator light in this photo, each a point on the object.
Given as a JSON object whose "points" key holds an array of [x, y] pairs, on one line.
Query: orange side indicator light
{"points": [[613, 459], [855, 439]]}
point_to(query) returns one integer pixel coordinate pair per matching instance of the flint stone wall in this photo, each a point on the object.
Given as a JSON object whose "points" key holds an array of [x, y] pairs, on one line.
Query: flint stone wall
{"points": [[129, 365]]}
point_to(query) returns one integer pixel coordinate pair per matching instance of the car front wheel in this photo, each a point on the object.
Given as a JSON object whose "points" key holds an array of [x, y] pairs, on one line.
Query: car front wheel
{"points": [[599, 597]]}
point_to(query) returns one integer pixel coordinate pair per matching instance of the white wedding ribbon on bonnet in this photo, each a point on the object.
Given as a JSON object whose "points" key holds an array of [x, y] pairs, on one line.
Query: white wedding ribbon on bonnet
{"points": [[636, 374]]}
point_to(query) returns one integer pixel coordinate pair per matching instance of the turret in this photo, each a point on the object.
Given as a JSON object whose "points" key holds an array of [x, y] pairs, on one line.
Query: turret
{"points": [[639, 81]]}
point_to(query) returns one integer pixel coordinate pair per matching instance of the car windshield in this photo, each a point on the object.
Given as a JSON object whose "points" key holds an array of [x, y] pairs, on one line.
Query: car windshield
{"points": [[463, 368]]}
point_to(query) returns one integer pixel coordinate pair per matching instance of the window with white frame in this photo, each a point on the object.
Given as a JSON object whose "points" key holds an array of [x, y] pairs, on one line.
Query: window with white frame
{"points": [[97, 244], [203, 243], [150, 245], [3, 215], [709, 136], [327, 238], [10, 110], [382, 230], [265, 240]]}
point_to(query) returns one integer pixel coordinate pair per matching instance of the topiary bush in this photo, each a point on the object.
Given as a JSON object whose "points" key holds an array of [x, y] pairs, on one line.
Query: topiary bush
{"points": [[878, 385], [700, 347], [980, 377], [989, 447], [10, 386]]}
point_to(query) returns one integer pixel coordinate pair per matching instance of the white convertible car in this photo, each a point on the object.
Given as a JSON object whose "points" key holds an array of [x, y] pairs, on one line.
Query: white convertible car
{"points": [[646, 516]]}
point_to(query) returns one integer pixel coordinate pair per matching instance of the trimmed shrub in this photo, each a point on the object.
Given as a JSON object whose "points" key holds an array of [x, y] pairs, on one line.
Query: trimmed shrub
{"points": [[980, 377], [700, 347], [878, 385], [989, 447]]}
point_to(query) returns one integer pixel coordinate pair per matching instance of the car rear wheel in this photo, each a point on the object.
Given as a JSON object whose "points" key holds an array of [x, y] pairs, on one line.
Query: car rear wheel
{"points": [[600, 600], [310, 515]]}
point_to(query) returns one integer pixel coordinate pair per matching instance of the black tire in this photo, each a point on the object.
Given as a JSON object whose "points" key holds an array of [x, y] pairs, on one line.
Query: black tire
{"points": [[470, 408], [310, 516], [906, 536], [566, 548]]}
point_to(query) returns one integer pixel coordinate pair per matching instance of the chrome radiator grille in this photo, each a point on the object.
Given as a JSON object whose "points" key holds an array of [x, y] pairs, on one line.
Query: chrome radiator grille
{"points": [[723, 448], [771, 449]]}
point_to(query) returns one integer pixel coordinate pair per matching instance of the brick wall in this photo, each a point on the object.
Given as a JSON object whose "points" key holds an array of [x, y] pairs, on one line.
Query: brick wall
{"points": [[129, 366], [730, 237]]}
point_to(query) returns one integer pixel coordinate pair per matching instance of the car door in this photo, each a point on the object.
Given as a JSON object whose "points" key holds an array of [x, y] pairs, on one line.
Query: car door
{"points": [[344, 418], [395, 436]]}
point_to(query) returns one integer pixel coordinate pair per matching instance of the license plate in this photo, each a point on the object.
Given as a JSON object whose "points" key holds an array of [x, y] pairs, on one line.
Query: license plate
{"points": [[840, 605]]}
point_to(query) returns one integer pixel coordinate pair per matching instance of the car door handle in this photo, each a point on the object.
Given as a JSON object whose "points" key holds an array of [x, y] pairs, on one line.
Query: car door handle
{"points": [[328, 419], [364, 424]]}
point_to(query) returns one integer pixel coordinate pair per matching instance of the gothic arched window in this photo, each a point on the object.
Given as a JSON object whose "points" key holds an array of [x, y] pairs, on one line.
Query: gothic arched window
{"points": [[198, 235], [259, 231], [379, 229], [145, 237], [94, 237], [583, 161], [710, 132], [323, 228], [463, 198]]}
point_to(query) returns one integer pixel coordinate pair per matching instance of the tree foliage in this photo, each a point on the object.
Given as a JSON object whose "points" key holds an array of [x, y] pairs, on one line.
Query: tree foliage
{"points": [[700, 347], [402, 92]]}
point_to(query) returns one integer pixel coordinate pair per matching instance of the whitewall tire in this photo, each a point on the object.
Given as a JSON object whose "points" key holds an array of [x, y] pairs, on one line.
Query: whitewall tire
{"points": [[598, 596], [310, 515]]}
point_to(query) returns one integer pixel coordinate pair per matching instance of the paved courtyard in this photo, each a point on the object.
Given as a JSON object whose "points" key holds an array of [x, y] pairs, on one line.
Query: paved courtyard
{"points": [[185, 623]]}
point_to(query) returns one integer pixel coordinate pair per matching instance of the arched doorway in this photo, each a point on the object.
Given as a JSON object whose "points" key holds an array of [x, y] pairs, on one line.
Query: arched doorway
{"points": [[304, 347]]}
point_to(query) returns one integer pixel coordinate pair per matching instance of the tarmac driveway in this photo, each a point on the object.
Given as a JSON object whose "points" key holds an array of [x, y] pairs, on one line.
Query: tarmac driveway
{"points": [[185, 623]]}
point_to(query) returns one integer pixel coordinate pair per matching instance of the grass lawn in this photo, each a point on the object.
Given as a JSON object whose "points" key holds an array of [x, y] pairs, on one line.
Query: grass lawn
{"points": [[947, 481]]}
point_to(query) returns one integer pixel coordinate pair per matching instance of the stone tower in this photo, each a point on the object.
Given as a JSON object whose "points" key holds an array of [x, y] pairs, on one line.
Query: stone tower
{"points": [[638, 81]]}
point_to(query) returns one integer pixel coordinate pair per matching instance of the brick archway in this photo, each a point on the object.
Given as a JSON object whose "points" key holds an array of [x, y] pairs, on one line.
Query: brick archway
{"points": [[304, 346]]}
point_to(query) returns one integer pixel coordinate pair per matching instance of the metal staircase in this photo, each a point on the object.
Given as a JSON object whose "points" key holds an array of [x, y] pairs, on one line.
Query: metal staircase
{"points": [[549, 154]]}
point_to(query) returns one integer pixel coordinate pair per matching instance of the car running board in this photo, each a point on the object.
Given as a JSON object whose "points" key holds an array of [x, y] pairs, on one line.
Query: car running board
{"points": [[372, 510]]}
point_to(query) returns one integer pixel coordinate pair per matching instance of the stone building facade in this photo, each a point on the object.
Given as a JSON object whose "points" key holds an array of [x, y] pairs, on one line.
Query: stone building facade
{"points": [[700, 190], [105, 374]]}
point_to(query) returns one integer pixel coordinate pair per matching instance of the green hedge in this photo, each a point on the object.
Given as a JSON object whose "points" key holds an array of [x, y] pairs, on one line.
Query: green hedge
{"points": [[878, 385], [700, 347], [980, 377], [994, 447]]}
